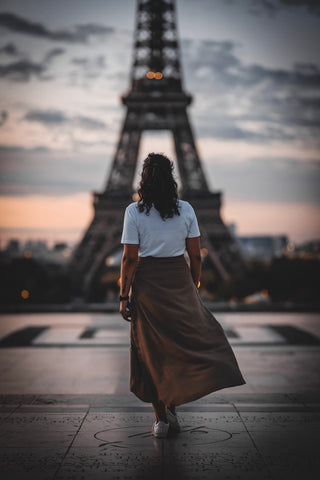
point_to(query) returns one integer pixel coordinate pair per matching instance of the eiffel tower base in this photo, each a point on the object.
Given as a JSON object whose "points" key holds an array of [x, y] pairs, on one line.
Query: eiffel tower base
{"points": [[103, 236]]}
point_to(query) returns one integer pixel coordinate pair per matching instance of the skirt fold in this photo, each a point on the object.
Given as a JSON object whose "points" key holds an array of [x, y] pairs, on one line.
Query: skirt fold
{"points": [[179, 351]]}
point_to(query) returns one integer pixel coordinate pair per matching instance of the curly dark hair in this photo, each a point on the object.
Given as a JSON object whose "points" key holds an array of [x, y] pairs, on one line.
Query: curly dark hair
{"points": [[158, 187]]}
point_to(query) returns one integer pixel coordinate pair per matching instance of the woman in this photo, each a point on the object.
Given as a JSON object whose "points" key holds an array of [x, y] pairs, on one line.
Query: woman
{"points": [[179, 351]]}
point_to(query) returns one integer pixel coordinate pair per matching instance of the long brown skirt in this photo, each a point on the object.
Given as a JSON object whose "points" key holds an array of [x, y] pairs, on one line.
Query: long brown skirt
{"points": [[179, 351]]}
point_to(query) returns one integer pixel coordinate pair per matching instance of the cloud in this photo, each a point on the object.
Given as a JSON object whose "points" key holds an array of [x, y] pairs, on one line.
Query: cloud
{"points": [[250, 101], [87, 68], [218, 60], [19, 149], [252, 74], [90, 63], [22, 70], [278, 179], [57, 117], [228, 129], [272, 7], [77, 34], [42, 171], [55, 52], [89, 123], [46, 117], [9, 49], [3, 117]]}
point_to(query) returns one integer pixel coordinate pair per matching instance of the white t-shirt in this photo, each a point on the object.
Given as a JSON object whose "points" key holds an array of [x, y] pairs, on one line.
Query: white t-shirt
{"points": [[157, 237]]}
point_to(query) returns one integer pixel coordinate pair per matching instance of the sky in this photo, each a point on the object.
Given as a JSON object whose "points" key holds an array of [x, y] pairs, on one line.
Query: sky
{"points": [[253, 68]]}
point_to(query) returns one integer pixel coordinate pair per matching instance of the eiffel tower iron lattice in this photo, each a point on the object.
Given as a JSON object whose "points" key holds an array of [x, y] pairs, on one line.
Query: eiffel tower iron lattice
{"points": [[156, 101]]}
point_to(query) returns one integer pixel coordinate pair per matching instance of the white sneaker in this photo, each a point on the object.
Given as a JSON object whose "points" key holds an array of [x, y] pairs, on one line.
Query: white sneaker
{"points": [[160, 429], [173, 421]]}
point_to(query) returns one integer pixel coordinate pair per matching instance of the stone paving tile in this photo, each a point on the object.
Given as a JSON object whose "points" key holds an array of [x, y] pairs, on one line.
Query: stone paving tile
{"points": [[290, 454], [7, 410], [238, 397], [43, 421], [216, 463], [17, 399], [224, 407], [266, 429], [307, 397], [128, 399], [59, 408], [281, 421], [88, 463], [39, 430], [290, 466], [119, 427], [273, 407], [156, 462], [288, 442], [121, 446], [30, 463]]}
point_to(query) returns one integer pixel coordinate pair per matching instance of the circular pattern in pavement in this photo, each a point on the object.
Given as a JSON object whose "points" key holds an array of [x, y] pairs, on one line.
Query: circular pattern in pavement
{"points": [[137, 435]]}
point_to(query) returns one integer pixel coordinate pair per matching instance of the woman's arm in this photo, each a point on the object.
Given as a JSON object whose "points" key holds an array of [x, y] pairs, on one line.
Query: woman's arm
{"points": [[128, 266], [193, 249]]}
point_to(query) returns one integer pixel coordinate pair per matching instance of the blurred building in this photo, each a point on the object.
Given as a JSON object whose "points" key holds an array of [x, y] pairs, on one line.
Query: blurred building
{"points": [[38, 250], [263, 247], [307, 250], [13, 248]]}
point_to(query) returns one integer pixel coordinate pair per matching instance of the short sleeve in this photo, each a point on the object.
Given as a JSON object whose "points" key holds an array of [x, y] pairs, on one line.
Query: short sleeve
{"points": [[193, 230], [130, 232]]}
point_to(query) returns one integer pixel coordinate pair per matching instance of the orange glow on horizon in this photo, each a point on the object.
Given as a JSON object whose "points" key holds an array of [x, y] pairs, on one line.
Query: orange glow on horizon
{"points": [[300, 221], [294, 219], [48, 212]]}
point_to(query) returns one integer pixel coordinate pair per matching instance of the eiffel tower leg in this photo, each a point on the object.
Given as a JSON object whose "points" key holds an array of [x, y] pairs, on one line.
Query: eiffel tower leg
{"points": [[100, 240], [124, 163], [104, 233], [223, 251], [192, 176]]}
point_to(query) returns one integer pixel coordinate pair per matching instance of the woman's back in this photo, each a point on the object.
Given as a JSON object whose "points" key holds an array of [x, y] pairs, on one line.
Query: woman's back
{"points": [[178, 350], [158, 237]]}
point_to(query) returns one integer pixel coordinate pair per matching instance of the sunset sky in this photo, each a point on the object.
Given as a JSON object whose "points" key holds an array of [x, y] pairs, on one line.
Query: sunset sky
{"points": [[253, 68]]}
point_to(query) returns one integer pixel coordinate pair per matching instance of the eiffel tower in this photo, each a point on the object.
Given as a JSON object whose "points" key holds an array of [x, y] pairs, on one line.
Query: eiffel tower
{"points": [[156, 101]]}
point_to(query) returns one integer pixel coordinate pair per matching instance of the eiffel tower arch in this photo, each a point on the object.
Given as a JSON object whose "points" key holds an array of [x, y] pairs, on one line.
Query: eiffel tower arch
{"points": [[156, 101]]}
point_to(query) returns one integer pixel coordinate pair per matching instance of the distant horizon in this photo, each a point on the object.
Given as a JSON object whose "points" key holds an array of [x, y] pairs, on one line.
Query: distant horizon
{"points": [[73, 235]]}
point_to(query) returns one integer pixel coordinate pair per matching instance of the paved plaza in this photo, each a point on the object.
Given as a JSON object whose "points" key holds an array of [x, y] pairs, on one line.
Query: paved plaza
{"points": [[66, 410]]}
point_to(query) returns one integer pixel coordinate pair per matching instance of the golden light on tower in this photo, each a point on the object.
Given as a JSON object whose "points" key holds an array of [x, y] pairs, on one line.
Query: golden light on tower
{"points": [[156, 75]]}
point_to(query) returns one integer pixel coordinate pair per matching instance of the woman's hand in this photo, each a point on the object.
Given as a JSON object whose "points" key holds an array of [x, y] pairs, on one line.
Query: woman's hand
{"points": [[124, 310]]}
